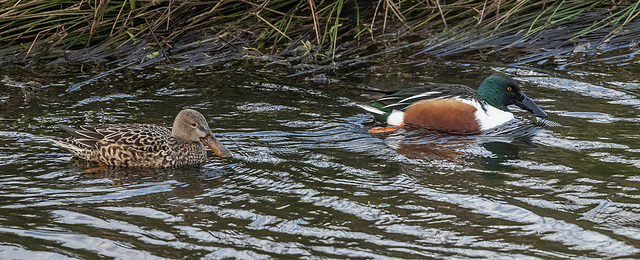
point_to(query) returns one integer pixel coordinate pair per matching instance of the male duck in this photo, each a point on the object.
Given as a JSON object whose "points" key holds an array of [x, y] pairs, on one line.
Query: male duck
{"points": [[145, 145], [453, 108]]}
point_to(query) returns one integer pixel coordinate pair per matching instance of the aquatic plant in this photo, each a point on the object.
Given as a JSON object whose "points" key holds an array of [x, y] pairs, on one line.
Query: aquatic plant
{"points": [[49, 28]]}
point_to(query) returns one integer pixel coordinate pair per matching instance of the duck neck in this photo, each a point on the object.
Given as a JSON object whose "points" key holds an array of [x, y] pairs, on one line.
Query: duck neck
{"points": [[180, 141], [492, 98], [494, 102], [191, 152]]}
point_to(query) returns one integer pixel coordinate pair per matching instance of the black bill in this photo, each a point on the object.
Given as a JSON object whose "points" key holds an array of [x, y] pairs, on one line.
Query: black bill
{"points": [[527, 104]]}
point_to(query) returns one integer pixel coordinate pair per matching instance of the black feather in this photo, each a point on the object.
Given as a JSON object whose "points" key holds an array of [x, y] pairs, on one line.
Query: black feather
{"points": [[404, 98]]}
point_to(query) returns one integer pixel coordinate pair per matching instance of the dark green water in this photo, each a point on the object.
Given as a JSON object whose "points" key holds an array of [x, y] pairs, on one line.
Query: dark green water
{"points": [[308, 180]]}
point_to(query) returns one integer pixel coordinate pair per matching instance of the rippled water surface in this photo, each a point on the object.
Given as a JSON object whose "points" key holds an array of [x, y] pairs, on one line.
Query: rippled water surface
{"points": [[308, 180]]}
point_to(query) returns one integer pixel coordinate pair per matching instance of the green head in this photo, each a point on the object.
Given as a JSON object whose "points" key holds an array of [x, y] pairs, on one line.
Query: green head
{"points": [[500, 91]]}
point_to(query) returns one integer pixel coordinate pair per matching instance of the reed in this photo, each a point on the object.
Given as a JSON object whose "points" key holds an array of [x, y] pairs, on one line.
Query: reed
{"points": [[50, 27]]}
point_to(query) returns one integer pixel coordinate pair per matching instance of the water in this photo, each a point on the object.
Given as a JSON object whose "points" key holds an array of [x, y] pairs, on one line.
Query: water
{"points": [[307, 180]]}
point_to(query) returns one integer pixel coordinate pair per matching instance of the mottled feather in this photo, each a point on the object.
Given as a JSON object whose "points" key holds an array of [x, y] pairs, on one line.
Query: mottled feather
{"points": [[143, 145]]}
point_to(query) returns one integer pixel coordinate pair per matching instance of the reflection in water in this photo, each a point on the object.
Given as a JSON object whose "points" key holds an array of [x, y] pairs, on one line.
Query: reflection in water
{"points": [[501, 153], [308, 180], [493, 147]]}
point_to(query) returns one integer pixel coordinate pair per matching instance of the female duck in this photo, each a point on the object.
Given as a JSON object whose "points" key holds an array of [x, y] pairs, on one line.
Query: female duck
{"points": [[145, 145], [452, 108]]}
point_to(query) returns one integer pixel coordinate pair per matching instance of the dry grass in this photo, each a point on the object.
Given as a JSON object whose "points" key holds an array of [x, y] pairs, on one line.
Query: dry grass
{"points": [[47, 28]]}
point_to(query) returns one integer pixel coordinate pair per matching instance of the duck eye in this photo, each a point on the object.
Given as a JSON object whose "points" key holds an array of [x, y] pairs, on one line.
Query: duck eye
{"points": [[194, 124], [509, 89]]}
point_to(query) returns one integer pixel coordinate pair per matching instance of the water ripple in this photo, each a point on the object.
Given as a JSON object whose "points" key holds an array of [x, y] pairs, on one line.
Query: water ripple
{"points": [[308, 181]]}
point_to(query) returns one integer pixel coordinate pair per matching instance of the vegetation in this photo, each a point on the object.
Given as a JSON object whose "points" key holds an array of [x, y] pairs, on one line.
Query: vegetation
{"points": [[35, 29]]}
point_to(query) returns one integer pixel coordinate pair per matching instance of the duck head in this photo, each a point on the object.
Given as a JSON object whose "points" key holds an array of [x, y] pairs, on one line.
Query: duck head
{"points": [[501, 90], [190, 126]]}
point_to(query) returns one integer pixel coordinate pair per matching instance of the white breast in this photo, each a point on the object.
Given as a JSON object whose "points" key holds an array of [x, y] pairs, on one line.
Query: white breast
{"points": [[492, 117]]}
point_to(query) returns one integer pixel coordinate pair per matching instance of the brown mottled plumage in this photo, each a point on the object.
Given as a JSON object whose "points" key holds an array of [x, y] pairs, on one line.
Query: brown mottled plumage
{"points": [[145, 145]]}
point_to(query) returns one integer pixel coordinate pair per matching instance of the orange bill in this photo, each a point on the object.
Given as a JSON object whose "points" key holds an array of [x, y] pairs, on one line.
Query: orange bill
{"points": [[216, 146]]}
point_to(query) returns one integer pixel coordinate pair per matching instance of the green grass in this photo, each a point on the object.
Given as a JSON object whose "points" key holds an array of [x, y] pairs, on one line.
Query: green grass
{"points": [[38, 27]]}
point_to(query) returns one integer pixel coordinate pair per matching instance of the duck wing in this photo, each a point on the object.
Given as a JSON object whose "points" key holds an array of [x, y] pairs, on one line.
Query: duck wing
{"points": [[404, 98], [144, 137]]}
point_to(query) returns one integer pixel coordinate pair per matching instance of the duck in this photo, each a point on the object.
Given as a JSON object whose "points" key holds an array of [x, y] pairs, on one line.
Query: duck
{"points": [[145, 145], [453, 108]]}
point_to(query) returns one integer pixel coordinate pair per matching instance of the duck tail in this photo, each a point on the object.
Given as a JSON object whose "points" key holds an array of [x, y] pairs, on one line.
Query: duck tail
{"points": [[372, 109], [394, 117], [71, 146]]}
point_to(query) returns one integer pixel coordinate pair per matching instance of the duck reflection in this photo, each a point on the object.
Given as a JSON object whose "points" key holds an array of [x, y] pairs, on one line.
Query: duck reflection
{"points": [[491, 148], [198, 178]]}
